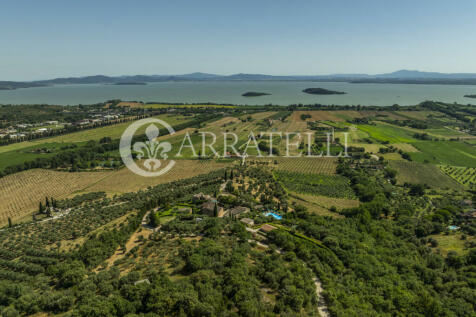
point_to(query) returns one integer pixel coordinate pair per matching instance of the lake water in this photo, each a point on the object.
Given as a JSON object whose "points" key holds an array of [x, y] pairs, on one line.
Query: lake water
{"points": [[282, 93]]}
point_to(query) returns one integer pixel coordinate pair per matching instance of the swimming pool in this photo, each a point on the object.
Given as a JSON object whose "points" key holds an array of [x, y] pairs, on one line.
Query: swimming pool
{"points": [[275, 216]]}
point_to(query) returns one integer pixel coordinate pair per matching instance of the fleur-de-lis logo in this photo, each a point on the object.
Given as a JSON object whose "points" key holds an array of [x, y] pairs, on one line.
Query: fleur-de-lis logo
{"points": [[152, 153], [152, 149]]}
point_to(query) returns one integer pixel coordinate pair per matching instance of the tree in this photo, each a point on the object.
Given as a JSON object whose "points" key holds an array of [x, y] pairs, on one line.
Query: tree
{"points": [[10, 312], [153, 219], [41, 209], [54, 203], [417, 190], [10, 222]]}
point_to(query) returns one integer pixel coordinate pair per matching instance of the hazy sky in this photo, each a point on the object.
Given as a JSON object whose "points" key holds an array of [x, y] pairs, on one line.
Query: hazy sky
{"points": [[47, 39]]}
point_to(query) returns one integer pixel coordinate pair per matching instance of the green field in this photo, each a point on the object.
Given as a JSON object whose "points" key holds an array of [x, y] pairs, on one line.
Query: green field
{"points": [[419, 173], [326, 185], [21, 155], [445, 132], [445, 153], [113, 131], [18, 153], [387, 133]]}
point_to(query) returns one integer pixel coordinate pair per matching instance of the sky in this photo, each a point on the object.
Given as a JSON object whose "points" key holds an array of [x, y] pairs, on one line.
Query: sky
{"points": [[48, 39]]}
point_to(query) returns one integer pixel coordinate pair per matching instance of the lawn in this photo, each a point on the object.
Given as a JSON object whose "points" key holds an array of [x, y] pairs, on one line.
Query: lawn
{"points": [[445, 153]]}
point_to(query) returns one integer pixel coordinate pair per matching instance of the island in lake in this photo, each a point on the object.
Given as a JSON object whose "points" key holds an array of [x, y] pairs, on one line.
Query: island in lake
{"points": [[254, 94], [470, 96], [322, 91]]}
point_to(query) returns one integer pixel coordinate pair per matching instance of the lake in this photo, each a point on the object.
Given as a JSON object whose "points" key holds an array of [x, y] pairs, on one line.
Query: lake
{"points": [[282, 93]]}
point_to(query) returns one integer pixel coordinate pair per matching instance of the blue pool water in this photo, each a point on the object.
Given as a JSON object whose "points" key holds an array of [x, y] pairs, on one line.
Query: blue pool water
{"points": [[275, 216]]}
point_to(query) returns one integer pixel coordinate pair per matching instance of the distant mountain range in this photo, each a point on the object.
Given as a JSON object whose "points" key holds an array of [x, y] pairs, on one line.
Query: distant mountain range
{"points": [[398, 77]]}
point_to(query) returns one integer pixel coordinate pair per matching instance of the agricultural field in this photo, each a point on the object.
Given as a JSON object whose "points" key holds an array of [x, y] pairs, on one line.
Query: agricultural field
{"points": [[326, 185], [463, 175], [21, 193], [370, 148], [114, 131], [124, 181], [18, 153], [383, 132], [354, 136], [316, 115], [405, 147], [313, 207], [445, 132], [328, 202], [227, 124], [25, 154], [445, 153], [389, 115], [307, 165], [418, 115], [419, 173], [325, 115], [392, 156]]}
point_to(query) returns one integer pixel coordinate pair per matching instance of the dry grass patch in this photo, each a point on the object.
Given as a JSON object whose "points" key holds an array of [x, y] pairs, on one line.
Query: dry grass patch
{"points": [[405, 147], [133, 241], [124, 181]]}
